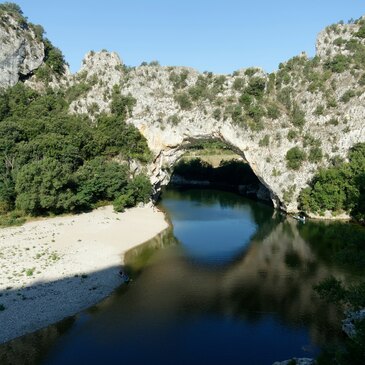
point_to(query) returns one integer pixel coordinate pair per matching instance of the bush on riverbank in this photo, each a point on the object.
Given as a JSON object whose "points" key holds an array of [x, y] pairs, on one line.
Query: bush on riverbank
{"points": [[339, 188], [136, 191]]}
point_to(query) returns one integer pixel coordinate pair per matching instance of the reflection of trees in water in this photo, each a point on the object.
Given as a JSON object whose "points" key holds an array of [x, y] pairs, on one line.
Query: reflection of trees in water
{"points": [[211, 197], [275, 276], [137, 258], [33, 348], [337, 243]]}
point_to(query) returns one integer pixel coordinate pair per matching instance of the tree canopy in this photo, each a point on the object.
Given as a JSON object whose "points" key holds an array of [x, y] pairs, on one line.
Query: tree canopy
{"points": [[339, 188], [54, 162]]}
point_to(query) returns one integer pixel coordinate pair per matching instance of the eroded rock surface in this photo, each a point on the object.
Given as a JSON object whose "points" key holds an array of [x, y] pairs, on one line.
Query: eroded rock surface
{"points": [[20, 51]]}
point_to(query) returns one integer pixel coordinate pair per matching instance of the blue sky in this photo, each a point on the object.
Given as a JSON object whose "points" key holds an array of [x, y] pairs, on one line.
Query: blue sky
{"points": [[210, 35]]}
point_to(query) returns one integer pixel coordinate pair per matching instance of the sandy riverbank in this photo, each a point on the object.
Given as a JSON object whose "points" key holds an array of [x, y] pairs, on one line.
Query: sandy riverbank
{"points": [[53, 268]]}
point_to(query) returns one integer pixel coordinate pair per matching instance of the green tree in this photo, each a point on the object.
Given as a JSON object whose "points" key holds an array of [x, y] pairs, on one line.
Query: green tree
{"points": [[53, 57], [138, 190], [256, 87], [338, 188], [43, 186], [117, 137], [99, 180]]}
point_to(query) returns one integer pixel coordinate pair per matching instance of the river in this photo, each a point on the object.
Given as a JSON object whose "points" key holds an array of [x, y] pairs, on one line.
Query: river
{"points": [[231, 282]]}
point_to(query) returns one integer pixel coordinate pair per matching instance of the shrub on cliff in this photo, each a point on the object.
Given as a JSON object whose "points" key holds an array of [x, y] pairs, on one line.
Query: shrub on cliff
{"points": [[256, 87], [53, 57], [183, 99], [337, 64], [294, 158], [121, 105]]}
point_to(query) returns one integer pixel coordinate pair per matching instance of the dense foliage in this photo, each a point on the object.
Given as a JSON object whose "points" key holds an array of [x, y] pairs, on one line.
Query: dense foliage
{"points": [[54, 162], [339, 188]]}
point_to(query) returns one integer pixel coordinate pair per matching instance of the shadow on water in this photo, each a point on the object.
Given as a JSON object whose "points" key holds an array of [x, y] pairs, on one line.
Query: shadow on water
{"points": [[256, 307]]}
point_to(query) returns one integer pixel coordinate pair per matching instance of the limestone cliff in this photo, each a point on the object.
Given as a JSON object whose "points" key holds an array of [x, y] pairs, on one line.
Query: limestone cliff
{"points": [[21, 52], [316, 105]]}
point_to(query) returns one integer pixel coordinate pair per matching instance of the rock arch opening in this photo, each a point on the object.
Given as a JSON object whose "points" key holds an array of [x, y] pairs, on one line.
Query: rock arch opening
{"points": [[214, 163]]}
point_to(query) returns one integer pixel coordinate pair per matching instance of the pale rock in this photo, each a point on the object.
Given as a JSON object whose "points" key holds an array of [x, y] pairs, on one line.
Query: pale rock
{"points": [[20, 51]]}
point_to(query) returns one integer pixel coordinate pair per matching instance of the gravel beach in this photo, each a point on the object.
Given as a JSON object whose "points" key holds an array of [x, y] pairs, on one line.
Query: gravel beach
{"points": [[53, 268]]}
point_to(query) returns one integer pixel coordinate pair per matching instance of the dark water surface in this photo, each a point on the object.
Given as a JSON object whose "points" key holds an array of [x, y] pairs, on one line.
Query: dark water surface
{"points": [[230, 283]]}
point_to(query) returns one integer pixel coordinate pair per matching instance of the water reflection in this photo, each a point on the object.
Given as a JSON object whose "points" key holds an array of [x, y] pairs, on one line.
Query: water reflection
{"points": [[256, 307], [213, 227]]}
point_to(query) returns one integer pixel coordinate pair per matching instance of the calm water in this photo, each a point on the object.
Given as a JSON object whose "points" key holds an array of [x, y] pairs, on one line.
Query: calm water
{"points": [[230, 283]]}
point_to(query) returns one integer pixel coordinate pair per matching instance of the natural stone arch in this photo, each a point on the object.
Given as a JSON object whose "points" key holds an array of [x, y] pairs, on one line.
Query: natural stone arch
{"points": [[262, 193], [168, 154], [167, 123]]}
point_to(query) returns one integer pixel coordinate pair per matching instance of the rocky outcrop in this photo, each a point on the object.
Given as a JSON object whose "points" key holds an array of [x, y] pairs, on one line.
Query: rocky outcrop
{"points": [[332, 40], [20, 52], [349, 324], [100, 71]]}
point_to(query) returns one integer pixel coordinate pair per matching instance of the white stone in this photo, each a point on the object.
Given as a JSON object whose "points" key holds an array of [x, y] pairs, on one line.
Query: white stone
{"points": [[20, 51]]}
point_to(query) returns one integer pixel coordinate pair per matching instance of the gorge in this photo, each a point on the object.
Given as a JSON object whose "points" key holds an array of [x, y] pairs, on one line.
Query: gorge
{"points": [[312, 107]]}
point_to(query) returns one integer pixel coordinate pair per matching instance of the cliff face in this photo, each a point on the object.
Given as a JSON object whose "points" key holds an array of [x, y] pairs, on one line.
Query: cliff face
{"points": [[319, 108], [316, 105], [20, 52]]}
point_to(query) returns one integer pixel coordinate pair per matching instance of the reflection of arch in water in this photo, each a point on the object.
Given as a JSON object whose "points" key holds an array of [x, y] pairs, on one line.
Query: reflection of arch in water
{"points": [[190, 204], [275, 275]]}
